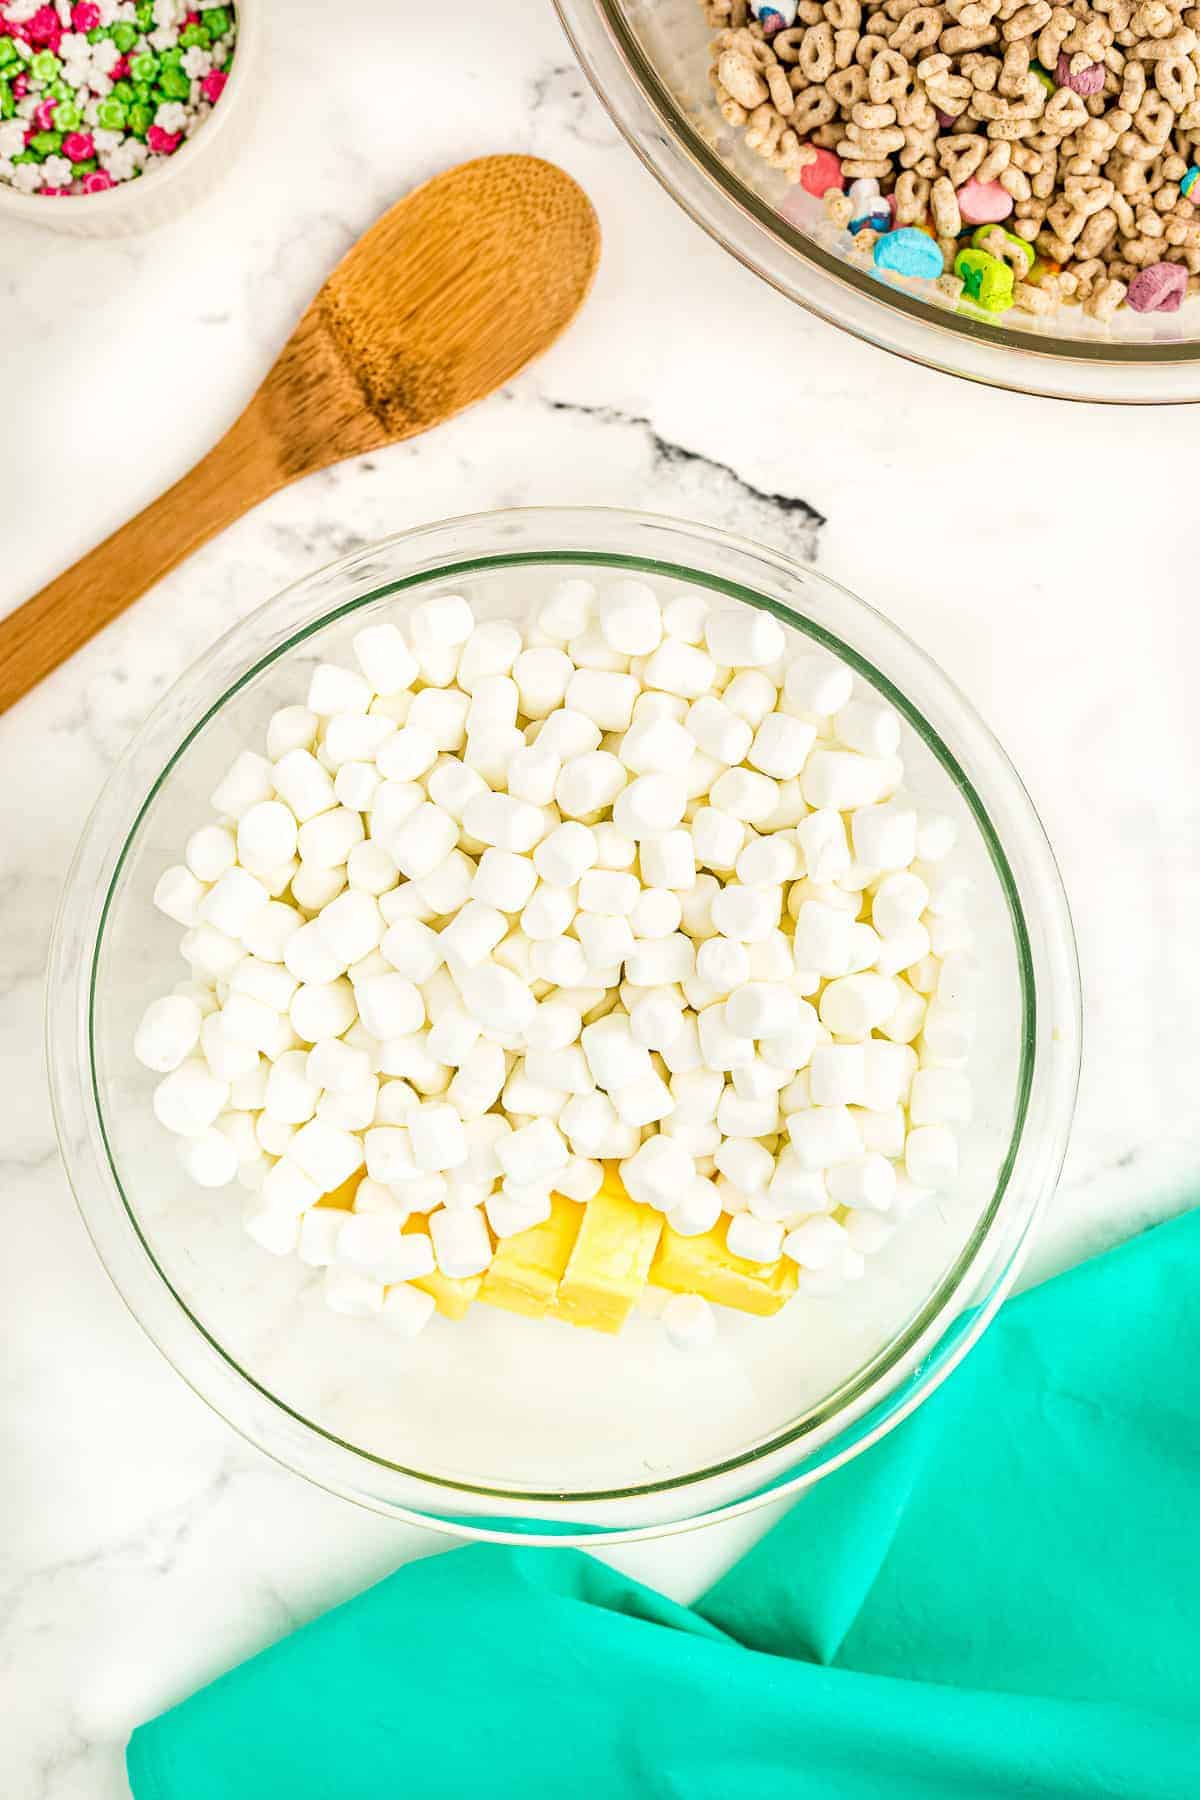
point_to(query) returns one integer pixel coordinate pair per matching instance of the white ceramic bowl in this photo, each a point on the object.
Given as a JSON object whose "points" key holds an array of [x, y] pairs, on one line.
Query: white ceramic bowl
{"points": [[167, 192]]}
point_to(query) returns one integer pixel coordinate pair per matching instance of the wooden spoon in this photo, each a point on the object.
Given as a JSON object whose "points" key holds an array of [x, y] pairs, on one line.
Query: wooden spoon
{"points": [[449, 294]]}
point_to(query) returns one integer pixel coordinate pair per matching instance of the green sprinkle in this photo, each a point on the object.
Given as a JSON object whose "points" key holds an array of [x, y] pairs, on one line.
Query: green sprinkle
{"points": [[141, 118], [144, 13], [172, 58], [144, 91], [218, 21], [123, 90], [175, 84], [67, 116], [46, 143], [25, 156], [8, 106], [45, 65], [197, 36], [111, 114], [87, 165], [7, 53], [97, 34], [144, 66], [124, 36]]}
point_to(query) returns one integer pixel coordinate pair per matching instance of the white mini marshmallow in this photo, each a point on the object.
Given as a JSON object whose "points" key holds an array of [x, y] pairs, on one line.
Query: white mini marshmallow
{"points": [[188, 1099], [213, 849], [815, 1243], [668, 860], [644, 1102], [472, 934], [497, 998], [178, 894], [436, 1134], [936, 836], [815, 683], [844, 780], [460, 1242], [407, 1310], [441, 622], [425, 839], [442, 713], [658, 1172], [822, 938], [823, 1136], [560, 960], [781, 746], [505, 822], [748, 914], [866, 1181], [326, 841], [746, 795], [762, 1009], [885, 837], [947, 1032], [657, 912], [930, 1156], [327, 1155], [412, 949], [717, 837], [322, 1009], [567, 610], [565, 854], [659, 962], [604, 696], [680, 669], [333, 689], [303, 784], [755, 1240], [743, 637], [249, 779], [352, 1293], [291, 728], [823, 845], [655, 1017], [390, 1005], [169, 1031], [606, 939], [491, 649], [695, 1208], [589, 783]]}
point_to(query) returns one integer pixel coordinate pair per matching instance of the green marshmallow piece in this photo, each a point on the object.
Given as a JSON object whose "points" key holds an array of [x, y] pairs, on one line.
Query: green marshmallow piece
{"points": [[67, 116], [45, 65], [112, 114], [1044, 76], [988, 281], [87, 166], [141, 118], [24, 156], [218, 21], [143, 91], [175, 84], [172, 58], [58, 90], [144, 13], [7, 53], [981, 232], [144, 66], [46, 143], [124, 36], [97, 34], [123, 90], [195, 37], [8, 106]]}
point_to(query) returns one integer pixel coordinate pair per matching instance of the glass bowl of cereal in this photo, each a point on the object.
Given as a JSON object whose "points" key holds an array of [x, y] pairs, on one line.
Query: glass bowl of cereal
{"points": [[563, 1022], [995, 190]]}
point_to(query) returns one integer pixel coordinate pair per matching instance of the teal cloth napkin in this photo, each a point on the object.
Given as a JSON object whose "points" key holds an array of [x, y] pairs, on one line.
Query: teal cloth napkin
{"points": [[1002, 1598]]}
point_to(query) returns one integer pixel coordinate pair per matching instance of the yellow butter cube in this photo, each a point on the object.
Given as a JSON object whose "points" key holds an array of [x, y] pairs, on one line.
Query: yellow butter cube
{"points": [[702, 1265], [452, 1294], [527, 1268], [610, 1262]]}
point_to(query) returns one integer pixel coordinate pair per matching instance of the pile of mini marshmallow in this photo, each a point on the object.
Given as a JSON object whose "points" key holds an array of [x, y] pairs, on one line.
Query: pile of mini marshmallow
{"points": [[633, 883]]}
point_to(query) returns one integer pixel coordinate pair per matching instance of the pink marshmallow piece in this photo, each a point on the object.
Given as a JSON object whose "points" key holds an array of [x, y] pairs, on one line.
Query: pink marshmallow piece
{"points": [[163, 143], [97, 181], [43, 115], [1160, 288], [818, 177], [984, 202], [212, 85], [85, 15]]}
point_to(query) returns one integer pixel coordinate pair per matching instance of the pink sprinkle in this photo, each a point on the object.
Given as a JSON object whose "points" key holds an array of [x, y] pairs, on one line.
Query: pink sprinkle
{"points": [[45, 27], [43, 115], [53, 192], [85, 16], [78, 146], [212, 86], [192, 18], [163, 143], [120, 69], [97, 181], [20, 86]]}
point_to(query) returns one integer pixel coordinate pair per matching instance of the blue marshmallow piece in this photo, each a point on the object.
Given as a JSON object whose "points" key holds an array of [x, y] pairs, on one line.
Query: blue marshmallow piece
{"points": [[908, 251]]}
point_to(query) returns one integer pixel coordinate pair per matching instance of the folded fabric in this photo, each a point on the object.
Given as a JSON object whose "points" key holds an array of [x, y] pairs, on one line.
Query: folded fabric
{"points": [[1002, 1598]]}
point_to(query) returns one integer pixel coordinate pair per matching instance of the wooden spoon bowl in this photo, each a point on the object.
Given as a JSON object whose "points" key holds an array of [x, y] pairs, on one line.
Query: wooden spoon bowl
{"points": [[448, 296]]}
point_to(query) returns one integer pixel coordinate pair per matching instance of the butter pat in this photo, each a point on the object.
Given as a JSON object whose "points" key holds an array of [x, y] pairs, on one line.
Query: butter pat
{"points": [[610, 1263], [526, 1270], [702, 1265]]}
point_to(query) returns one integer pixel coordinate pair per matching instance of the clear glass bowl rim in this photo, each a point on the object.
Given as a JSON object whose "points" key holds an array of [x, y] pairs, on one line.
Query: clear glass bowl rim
{"points": [[645, 113], [112, 1221]]}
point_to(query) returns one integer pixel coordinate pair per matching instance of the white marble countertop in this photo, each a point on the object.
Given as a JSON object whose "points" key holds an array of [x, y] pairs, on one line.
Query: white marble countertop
{"points": [[1038, 550]]}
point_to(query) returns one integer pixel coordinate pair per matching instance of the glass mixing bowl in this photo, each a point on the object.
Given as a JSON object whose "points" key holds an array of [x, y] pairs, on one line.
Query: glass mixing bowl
{"points": [[648, 62], [503, 1425]]}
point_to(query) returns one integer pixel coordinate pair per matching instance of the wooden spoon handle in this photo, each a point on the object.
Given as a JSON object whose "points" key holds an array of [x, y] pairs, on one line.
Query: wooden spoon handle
{"points": [[236, 474]]}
